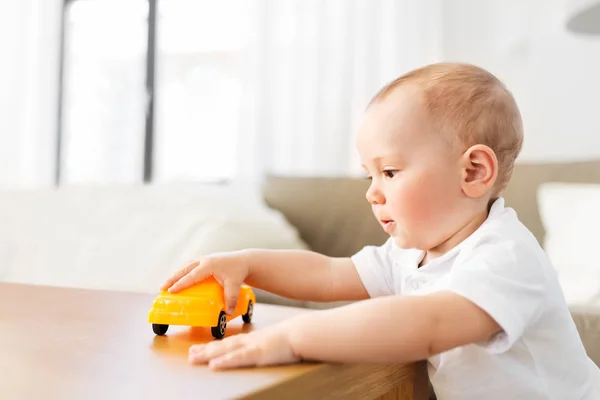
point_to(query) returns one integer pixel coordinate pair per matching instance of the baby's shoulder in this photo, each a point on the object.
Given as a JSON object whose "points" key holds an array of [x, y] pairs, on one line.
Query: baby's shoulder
{"points": [[506, 247]]}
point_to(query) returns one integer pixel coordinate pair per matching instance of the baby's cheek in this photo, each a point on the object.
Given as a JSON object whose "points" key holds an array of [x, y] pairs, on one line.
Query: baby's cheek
{"points": [[424, 212], [426, 201], [415, 205]]}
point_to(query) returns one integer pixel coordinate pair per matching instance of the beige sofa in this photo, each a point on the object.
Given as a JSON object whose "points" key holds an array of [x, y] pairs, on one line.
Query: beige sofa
{"points": [[334, 219]]}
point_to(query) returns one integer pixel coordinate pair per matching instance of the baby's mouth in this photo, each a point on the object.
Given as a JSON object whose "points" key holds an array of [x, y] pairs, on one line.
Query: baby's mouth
{"points": [[387, 224]]}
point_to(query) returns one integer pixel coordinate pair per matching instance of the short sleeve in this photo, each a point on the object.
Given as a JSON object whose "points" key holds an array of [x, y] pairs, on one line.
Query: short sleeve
{"points": [[508, 283], [374, 264]]}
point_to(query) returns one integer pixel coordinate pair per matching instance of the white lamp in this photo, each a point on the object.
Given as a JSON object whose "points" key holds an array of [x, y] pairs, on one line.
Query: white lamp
{"points": [[583, 16]]}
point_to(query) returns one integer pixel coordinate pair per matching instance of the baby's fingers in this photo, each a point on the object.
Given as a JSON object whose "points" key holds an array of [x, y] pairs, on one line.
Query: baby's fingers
{"points": [[201, 354], [247, 356], [179, 274], [196, 275]]}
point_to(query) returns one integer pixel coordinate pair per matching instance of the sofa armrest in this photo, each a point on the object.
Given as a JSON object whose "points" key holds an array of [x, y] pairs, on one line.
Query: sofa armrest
{"points": [[587, 319]]}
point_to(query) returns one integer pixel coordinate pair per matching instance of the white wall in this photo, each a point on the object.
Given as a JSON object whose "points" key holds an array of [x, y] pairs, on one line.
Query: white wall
{"points": [[554, 75]]}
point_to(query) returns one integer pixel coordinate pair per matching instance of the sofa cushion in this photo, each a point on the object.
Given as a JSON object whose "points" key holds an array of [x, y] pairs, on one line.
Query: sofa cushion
{"points": [[571, 217], [331, 214], [587, 320], [522, 191], [129, 237]]}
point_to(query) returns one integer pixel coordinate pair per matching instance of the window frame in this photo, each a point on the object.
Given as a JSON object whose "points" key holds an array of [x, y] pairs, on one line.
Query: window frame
{"points": [[150, 88]]}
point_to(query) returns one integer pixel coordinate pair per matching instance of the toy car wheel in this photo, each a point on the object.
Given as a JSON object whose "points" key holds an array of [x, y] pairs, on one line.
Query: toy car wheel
{"points": [[160, 329], [248, 316], [219, 331]]}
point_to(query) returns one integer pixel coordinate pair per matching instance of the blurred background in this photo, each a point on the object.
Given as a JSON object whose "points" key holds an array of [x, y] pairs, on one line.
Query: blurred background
{"points": [[125, 91], [136, 135]]}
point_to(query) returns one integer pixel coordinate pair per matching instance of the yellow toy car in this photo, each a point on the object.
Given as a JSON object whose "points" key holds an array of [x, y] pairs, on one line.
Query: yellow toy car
{"points": [[200, 305]]}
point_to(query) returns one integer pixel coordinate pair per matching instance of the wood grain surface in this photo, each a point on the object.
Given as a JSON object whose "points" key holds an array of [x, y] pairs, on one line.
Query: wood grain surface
{"points": [[63, 343]]}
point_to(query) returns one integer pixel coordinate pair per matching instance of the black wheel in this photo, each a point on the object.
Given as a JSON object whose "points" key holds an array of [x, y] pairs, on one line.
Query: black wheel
{"points": [[160, 329], [219, 331], [248, 316]]}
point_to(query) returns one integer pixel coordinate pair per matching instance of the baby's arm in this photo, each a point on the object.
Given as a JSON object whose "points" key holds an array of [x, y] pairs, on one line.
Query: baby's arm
{"points": [[305, 275], [297, 274], [391, 329]]}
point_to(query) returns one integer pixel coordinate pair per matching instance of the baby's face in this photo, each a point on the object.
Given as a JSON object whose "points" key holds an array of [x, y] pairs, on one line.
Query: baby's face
{"points": [[415, 176]]}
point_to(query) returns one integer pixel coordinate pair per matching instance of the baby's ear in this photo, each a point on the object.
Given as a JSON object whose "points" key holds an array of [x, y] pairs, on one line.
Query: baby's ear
{"points": [[480, 170]]}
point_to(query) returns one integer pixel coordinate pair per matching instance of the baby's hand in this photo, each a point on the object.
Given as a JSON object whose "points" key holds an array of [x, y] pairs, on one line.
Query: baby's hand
{"points": [[229, 270], [264, 347]]}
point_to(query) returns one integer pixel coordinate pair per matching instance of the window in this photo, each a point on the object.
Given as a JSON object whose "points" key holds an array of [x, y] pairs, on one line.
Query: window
{"points": [[201, 47], [103, 100]]}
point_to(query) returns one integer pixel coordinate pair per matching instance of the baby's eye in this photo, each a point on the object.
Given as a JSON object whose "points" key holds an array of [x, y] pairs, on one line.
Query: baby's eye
{"points": [[390, 173]]}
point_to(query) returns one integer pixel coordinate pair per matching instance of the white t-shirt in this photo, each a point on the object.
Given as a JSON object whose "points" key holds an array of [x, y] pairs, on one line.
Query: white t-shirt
{"points": [[502, 269]]}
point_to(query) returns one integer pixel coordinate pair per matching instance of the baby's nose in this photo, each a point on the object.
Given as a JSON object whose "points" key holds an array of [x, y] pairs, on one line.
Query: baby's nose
{"points": [[374, 196]]}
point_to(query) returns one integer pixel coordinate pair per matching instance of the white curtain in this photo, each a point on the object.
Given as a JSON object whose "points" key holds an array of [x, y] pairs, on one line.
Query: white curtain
{"points": [[29, 44], [315, 64]]}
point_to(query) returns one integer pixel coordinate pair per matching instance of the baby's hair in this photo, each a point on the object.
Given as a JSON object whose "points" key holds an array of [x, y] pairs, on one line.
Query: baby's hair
{"points": [[470, 104]]}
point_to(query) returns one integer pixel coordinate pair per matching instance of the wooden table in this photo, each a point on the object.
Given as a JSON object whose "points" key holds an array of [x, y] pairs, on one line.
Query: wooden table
{"points": [[59, 343]]}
